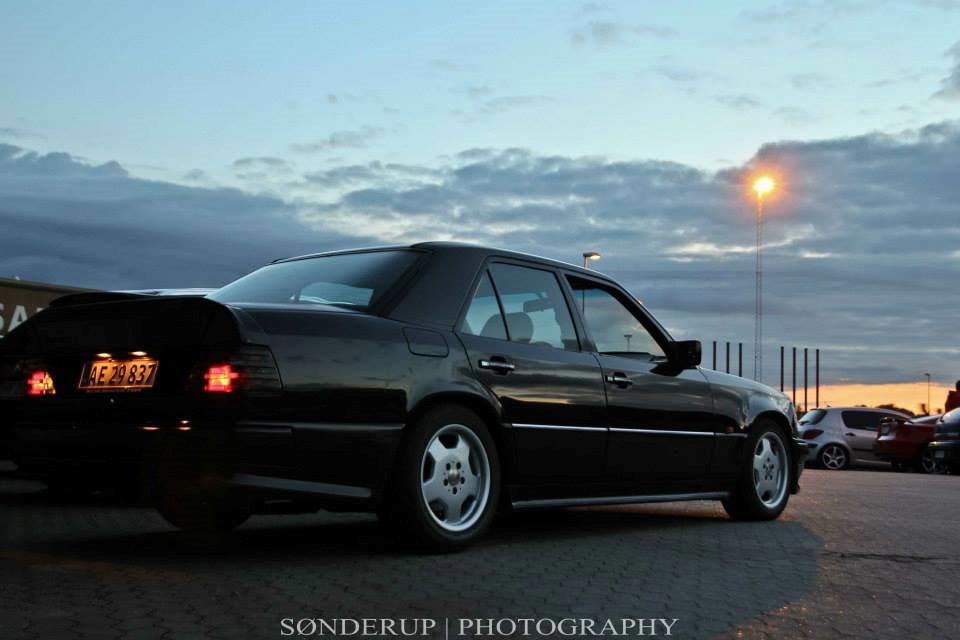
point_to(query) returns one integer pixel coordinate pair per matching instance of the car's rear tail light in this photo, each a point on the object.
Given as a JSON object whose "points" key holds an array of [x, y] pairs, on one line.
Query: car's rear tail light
{"points": [[248, 370], [219, 379], [810, 434], [40, 383]]}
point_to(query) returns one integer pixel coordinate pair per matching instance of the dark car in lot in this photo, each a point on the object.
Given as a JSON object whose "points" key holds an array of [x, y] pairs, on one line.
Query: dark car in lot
{"points": [[905, 443], [945, 448], [432, 384]]}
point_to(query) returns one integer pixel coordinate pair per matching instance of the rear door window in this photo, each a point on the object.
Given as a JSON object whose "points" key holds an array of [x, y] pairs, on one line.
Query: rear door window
{"points": [[535, 308], [483, 316]]}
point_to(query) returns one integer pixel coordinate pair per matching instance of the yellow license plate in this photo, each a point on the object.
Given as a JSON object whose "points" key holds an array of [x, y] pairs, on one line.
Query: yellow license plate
{"points": [[118, 375]]}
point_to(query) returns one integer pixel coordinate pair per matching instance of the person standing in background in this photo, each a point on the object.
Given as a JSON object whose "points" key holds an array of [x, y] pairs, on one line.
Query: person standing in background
{"points": [[953, 399]]}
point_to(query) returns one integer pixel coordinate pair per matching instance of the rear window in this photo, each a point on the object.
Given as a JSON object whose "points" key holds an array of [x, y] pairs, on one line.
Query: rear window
{"points": [[351, 280], [813, 417]]}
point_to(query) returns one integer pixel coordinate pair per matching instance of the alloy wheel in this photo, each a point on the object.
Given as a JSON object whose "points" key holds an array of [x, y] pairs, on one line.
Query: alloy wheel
{"points": [[834, 457], [455, 478], [770, 469]]}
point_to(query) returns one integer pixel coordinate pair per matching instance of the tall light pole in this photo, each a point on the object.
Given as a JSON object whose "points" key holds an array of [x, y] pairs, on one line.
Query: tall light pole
{"points": [[929, 411], [761, 186], [588, 256]]}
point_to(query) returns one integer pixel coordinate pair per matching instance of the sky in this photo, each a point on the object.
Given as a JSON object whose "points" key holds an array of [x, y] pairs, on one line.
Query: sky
{"points": [[183, 144]]}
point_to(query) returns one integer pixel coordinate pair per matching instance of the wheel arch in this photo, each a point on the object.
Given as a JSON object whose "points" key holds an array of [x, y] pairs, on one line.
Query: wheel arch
{"points": [[484, 407]]}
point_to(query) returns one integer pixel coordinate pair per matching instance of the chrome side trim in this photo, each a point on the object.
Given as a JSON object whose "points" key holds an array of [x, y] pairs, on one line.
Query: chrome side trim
{"points": [[733, 435], [557, 427], [663, 432], [601, 500]]}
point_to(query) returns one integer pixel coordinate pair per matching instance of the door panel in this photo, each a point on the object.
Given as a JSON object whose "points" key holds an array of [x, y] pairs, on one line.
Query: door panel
{"points": [[662, 423], [521, 341], [661, 417], [553, 399]]}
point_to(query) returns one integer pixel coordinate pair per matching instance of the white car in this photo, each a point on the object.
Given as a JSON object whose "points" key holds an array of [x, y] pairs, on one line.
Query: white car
{"points": [[840, 436]]}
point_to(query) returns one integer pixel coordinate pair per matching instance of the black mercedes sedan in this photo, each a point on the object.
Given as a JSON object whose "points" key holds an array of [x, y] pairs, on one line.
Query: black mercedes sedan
{"points": [[434, 384]]}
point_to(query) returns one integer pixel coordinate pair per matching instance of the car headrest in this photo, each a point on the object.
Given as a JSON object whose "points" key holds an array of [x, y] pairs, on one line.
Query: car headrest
{"points": [[521, 326], [493, 327]]}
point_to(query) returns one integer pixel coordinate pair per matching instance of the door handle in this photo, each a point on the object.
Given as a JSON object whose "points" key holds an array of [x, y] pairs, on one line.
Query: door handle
{"points": [[498, 365], [619, 379], [850, 435]]}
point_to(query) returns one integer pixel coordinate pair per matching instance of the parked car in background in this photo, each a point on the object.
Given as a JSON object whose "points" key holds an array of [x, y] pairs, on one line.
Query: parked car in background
{"points": [[905, 443], [945, 448], [840, 436]]}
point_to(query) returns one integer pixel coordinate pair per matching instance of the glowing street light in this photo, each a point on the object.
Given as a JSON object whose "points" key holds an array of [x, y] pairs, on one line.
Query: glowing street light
{"points": [[588, 256], [762, 186]]}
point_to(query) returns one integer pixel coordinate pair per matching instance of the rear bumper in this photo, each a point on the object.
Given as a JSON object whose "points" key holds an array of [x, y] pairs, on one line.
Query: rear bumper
{"points": [[893, 450], [336, 465], [946, 451]]}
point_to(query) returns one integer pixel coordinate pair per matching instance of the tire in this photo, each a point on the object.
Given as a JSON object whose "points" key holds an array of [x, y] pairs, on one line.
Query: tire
{"points": [[200, 512], [833, 457], [200, 505], [763, 486], [927, 464], [446, 486]]}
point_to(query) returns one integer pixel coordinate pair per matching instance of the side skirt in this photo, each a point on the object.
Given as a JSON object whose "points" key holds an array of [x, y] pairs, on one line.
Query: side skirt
{"points": [[601, 500]]}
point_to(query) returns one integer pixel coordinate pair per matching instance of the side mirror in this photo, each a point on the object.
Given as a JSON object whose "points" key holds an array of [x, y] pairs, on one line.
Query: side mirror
{"points": [[685, 353]]}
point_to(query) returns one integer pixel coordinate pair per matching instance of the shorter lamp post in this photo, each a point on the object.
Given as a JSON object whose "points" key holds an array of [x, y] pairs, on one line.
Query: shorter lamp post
{"points": [[588, 256]]}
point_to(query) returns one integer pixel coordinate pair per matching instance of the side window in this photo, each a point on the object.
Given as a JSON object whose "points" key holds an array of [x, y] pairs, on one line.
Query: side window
{"points": [[611, 323], [536, 311], [861, 419], [483, 315]]}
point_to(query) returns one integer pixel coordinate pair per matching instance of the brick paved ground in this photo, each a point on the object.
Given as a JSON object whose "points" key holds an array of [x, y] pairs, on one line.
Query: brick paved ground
{"points": [[858, 554]]}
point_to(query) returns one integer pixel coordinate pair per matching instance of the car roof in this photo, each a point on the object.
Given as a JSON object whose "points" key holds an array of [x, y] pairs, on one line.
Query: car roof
{"points": [[438, 246], [871, 409]]}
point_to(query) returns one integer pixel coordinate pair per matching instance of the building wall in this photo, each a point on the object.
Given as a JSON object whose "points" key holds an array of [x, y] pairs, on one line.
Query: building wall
{"points": [[20, 299]]}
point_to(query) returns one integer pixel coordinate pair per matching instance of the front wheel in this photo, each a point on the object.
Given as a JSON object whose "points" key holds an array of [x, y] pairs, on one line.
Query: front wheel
{"points": [[763, 487], [447, 482]]}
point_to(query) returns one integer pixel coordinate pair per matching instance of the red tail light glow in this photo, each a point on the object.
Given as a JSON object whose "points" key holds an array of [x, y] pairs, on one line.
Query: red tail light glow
{"points": [[40, 384], [810, 434], [219, 379]]}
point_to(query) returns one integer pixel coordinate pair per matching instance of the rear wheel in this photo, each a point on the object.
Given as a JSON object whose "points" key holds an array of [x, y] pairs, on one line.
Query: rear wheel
{"points": [[447, 483], [763, 488], [200, 506], [928, 464], [833, 457]]}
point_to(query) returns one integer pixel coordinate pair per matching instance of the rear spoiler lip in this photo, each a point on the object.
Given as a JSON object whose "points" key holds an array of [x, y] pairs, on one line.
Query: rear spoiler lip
{"points": [[93, 297]]}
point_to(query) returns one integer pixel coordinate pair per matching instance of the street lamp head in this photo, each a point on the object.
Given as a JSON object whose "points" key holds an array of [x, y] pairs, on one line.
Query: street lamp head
{"points": [[591, 255], [763, 185]]}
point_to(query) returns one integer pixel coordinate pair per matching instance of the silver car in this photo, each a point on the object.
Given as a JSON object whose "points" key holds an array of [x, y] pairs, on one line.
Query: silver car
{"points": [[840, 436]]}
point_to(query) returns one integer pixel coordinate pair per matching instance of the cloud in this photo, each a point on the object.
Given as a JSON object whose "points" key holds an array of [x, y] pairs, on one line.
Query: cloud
{"points": [[72, 222], [739, 102], [810, 81], [860, 242], [794, 115], [603, 33], [347, 139], [14, 133], [950, 85], [261, 168]]}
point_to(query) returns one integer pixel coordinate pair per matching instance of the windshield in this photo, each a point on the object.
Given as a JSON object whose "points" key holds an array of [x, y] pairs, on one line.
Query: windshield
{"points": [[352, 280]]}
